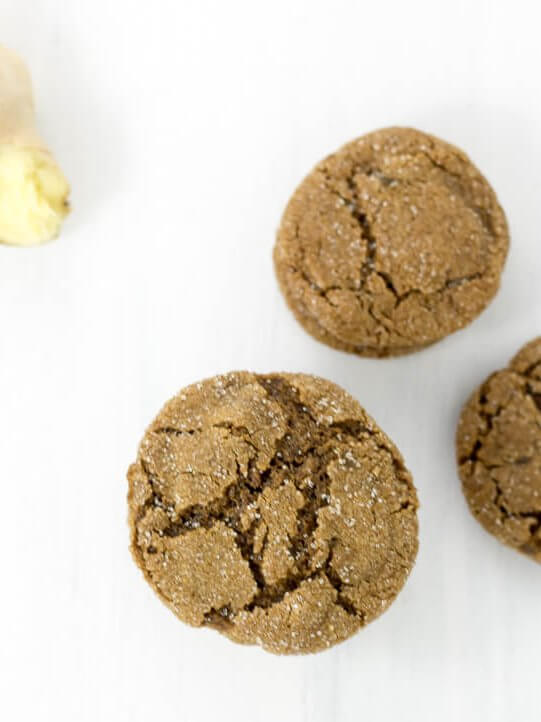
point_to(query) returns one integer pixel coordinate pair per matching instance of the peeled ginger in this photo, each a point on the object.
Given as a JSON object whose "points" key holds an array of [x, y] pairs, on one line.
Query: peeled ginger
{"points": [[33, 190]]}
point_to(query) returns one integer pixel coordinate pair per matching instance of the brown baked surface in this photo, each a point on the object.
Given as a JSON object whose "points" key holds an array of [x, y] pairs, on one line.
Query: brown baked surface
{"points": [[273, 509], [499, 452], [390, 244]]}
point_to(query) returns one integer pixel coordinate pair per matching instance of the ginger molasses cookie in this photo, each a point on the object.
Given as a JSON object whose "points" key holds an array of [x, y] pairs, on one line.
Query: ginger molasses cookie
{"points": [[273, 509], [499, 452], [390, 244]]}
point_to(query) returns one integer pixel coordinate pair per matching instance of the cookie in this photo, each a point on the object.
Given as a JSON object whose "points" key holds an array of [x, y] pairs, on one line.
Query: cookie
{"points": [[499, 452], [272, 509], [390, 244]]}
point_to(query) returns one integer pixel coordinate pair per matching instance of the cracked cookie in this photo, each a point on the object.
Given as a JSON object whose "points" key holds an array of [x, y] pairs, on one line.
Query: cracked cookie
{"points": [[390, 244], [499, 452], [273, 509]]}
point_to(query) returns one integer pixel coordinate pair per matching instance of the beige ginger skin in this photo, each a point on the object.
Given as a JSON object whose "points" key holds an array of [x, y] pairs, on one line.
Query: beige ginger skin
{"points": [[33, 190]]}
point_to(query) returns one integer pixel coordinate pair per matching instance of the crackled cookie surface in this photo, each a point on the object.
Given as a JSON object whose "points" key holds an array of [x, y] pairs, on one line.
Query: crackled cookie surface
{"points": [[273, 509], [499, 452], [390, 244]]}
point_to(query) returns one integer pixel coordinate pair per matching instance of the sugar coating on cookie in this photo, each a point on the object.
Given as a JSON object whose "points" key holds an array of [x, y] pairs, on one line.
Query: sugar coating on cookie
{"points": [[390, 244], [273, 509], [499, 452]]}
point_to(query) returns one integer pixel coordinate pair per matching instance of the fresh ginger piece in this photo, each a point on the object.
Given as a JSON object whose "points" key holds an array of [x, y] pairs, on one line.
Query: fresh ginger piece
{"points": [[33, 190], [33, 196]]}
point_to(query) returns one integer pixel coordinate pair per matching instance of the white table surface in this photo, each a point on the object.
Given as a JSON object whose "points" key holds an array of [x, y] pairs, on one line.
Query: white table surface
{"points": [[184, 127]]}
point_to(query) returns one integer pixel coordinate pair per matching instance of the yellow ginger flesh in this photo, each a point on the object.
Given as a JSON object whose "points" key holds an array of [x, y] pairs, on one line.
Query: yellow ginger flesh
{"points": [[33, 196]]}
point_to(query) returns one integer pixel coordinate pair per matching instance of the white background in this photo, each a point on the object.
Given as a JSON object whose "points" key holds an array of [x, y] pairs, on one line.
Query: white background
{"points": [[184, 127]]}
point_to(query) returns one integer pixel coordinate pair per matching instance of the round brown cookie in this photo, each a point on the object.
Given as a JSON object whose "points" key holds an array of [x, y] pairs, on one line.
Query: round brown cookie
{"points": [[499, 452], [390, 244], [273, 509]]}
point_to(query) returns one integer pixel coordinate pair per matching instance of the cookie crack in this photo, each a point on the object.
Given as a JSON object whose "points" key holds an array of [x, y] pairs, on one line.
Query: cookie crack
{"points": [[238, 495], [489, 419], [536, 396], [365, 228], [499, 499], [533, 546], [529, 369], [360, 217], [455, 282], [385, 323], [338, 585], [172, 431], [241, 432], [220, 619], [316, 499]]}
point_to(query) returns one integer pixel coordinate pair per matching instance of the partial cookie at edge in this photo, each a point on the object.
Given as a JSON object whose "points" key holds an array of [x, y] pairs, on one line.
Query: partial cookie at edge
{"points": [[499, 452]]}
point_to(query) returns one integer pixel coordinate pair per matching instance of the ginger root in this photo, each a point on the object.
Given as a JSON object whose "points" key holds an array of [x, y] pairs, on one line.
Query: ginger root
{"points": [[33, 190]]}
